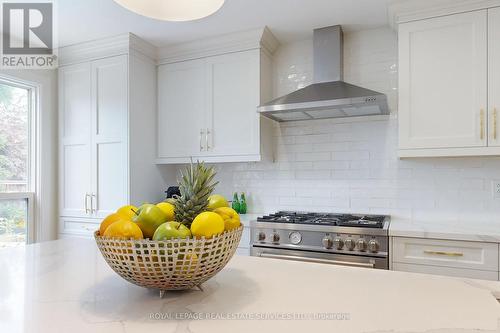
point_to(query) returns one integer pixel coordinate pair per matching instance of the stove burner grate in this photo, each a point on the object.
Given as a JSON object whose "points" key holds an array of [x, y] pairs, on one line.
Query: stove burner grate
{"points": [[343, 220]]}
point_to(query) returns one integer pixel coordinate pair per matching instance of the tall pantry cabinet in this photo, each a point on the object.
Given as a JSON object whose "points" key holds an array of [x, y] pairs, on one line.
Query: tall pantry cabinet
{"points": [[107, 121]]}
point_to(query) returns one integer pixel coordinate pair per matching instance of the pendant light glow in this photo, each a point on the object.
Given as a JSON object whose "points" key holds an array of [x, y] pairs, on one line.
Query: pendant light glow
{"points": [[172, 10]]}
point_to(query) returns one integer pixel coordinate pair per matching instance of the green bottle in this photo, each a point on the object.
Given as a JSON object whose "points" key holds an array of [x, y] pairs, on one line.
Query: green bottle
{"points": [[243, 204], [236, 203]]}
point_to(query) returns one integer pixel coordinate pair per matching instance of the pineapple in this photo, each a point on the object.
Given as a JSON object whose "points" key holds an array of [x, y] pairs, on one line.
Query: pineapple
{"points": [[196, 185]]}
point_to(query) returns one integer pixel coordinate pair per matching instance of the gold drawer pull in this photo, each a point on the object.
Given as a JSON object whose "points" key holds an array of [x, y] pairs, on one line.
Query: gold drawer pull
{"points": [[443, 253]]}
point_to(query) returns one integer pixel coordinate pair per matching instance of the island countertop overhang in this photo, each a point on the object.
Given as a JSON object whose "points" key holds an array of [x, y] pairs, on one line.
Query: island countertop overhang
{"points": [[66, 285]]}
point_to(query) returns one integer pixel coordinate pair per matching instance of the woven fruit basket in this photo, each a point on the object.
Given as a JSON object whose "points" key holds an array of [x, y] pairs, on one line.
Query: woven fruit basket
{"points": [[175, 264]]}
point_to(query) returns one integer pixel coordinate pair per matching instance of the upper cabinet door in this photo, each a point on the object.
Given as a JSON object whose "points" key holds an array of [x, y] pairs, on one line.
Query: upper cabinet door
{"points": [[443, 78], [182, 98], [74, 143], [494, 76], [109, 135], [233, 121]]}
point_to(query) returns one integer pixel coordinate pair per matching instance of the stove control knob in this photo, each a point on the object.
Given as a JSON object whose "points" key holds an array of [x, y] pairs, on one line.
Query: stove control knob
{"points": [[349, 244], [362, 245], [327, 242], [373, 246], [339, 243], [275, 238], [261, 236]]}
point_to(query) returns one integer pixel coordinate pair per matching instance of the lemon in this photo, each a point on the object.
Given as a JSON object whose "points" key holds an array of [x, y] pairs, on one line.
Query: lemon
{"points": [[207, 224], [110, 219], [123, 229], [168, 209], [127, 211], [230, 217], [216, 201]]}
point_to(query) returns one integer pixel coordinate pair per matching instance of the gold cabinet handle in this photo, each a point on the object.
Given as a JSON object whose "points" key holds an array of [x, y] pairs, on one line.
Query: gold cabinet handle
{"points": [[443, 253], [494, 123], [481, 116]]}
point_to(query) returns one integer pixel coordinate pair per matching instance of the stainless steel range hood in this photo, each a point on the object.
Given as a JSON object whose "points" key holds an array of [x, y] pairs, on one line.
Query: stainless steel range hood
{"points": [[329, 96]]}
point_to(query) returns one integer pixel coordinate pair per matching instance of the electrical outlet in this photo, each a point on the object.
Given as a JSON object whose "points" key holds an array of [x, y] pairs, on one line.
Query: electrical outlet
{"points": [[495, 189]]}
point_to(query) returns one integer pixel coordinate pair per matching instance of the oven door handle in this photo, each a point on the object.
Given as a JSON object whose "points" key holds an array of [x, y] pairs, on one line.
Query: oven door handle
{"points": [[317, 260]]}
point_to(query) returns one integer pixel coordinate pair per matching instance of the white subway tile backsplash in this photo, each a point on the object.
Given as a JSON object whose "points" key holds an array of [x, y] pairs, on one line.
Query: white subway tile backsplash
{"points": [[351, 165], [330, 165], [351, 155], [313, 138], [322, 156]]}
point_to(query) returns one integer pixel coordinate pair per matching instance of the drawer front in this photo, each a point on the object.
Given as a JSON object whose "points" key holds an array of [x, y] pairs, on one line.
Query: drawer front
{"points": [[78, 226], [446, 253], [448, 271]]}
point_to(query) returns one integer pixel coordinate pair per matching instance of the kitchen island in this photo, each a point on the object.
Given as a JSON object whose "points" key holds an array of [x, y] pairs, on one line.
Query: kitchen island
{"points": [[65, 286]]}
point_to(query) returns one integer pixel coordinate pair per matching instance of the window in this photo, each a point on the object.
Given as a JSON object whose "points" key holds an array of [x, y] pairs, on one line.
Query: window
{"points": [[17, 102]]}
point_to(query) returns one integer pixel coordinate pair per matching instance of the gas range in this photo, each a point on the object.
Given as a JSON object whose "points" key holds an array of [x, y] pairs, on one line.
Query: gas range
{"points": [[345, 239]]}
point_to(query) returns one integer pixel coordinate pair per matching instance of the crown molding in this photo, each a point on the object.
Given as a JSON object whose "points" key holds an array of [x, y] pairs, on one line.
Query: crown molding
{"points": [[139, 45], [129, 43], [401, 11], [95, 49], [106, 47], [261, 38]]}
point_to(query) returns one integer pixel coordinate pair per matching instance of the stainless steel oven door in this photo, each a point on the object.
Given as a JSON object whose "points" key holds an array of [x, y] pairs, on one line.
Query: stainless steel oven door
{"points": [[320, 257]]}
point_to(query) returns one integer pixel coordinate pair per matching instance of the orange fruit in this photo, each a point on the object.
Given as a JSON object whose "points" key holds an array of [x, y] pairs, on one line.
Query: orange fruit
{"points": [[108, 220], [123, 229]]}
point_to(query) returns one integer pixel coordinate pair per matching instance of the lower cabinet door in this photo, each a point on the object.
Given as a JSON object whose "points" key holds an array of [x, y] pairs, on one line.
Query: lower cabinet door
{"points": [[79, 227], [448, 271]]}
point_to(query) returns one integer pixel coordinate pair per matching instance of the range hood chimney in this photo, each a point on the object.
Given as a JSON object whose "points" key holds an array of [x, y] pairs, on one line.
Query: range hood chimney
{"points": [[329, 96]]}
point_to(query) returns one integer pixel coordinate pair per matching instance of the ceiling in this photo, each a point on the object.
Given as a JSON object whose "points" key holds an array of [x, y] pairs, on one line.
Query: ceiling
{"points": [[84, 20]]}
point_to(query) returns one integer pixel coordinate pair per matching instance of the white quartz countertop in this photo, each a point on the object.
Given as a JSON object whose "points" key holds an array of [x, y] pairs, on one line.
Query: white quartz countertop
{"points": [[434, 228], [246, 218], [65, 286]]}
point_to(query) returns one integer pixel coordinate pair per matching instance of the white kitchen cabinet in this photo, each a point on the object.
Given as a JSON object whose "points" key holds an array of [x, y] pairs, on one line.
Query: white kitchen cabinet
{"points": [[446, 257], [107, 118], [447, 271], [182, 100], [244, 246], [494, 76], [74, 137], [109, 134], [94, 170], [207, 105], [443, 83], [233, 123]]}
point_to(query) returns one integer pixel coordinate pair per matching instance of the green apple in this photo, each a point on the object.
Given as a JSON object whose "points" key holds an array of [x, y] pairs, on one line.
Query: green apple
{"points": [[148, 218], [169, 230]]}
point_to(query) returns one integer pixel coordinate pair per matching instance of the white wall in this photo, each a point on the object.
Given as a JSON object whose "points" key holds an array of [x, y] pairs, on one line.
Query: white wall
{"points": [[46, 201], [342, 166]]}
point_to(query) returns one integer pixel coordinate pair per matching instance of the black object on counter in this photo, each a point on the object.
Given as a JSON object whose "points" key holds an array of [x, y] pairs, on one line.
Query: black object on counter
{"points": [[171, 191]]}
